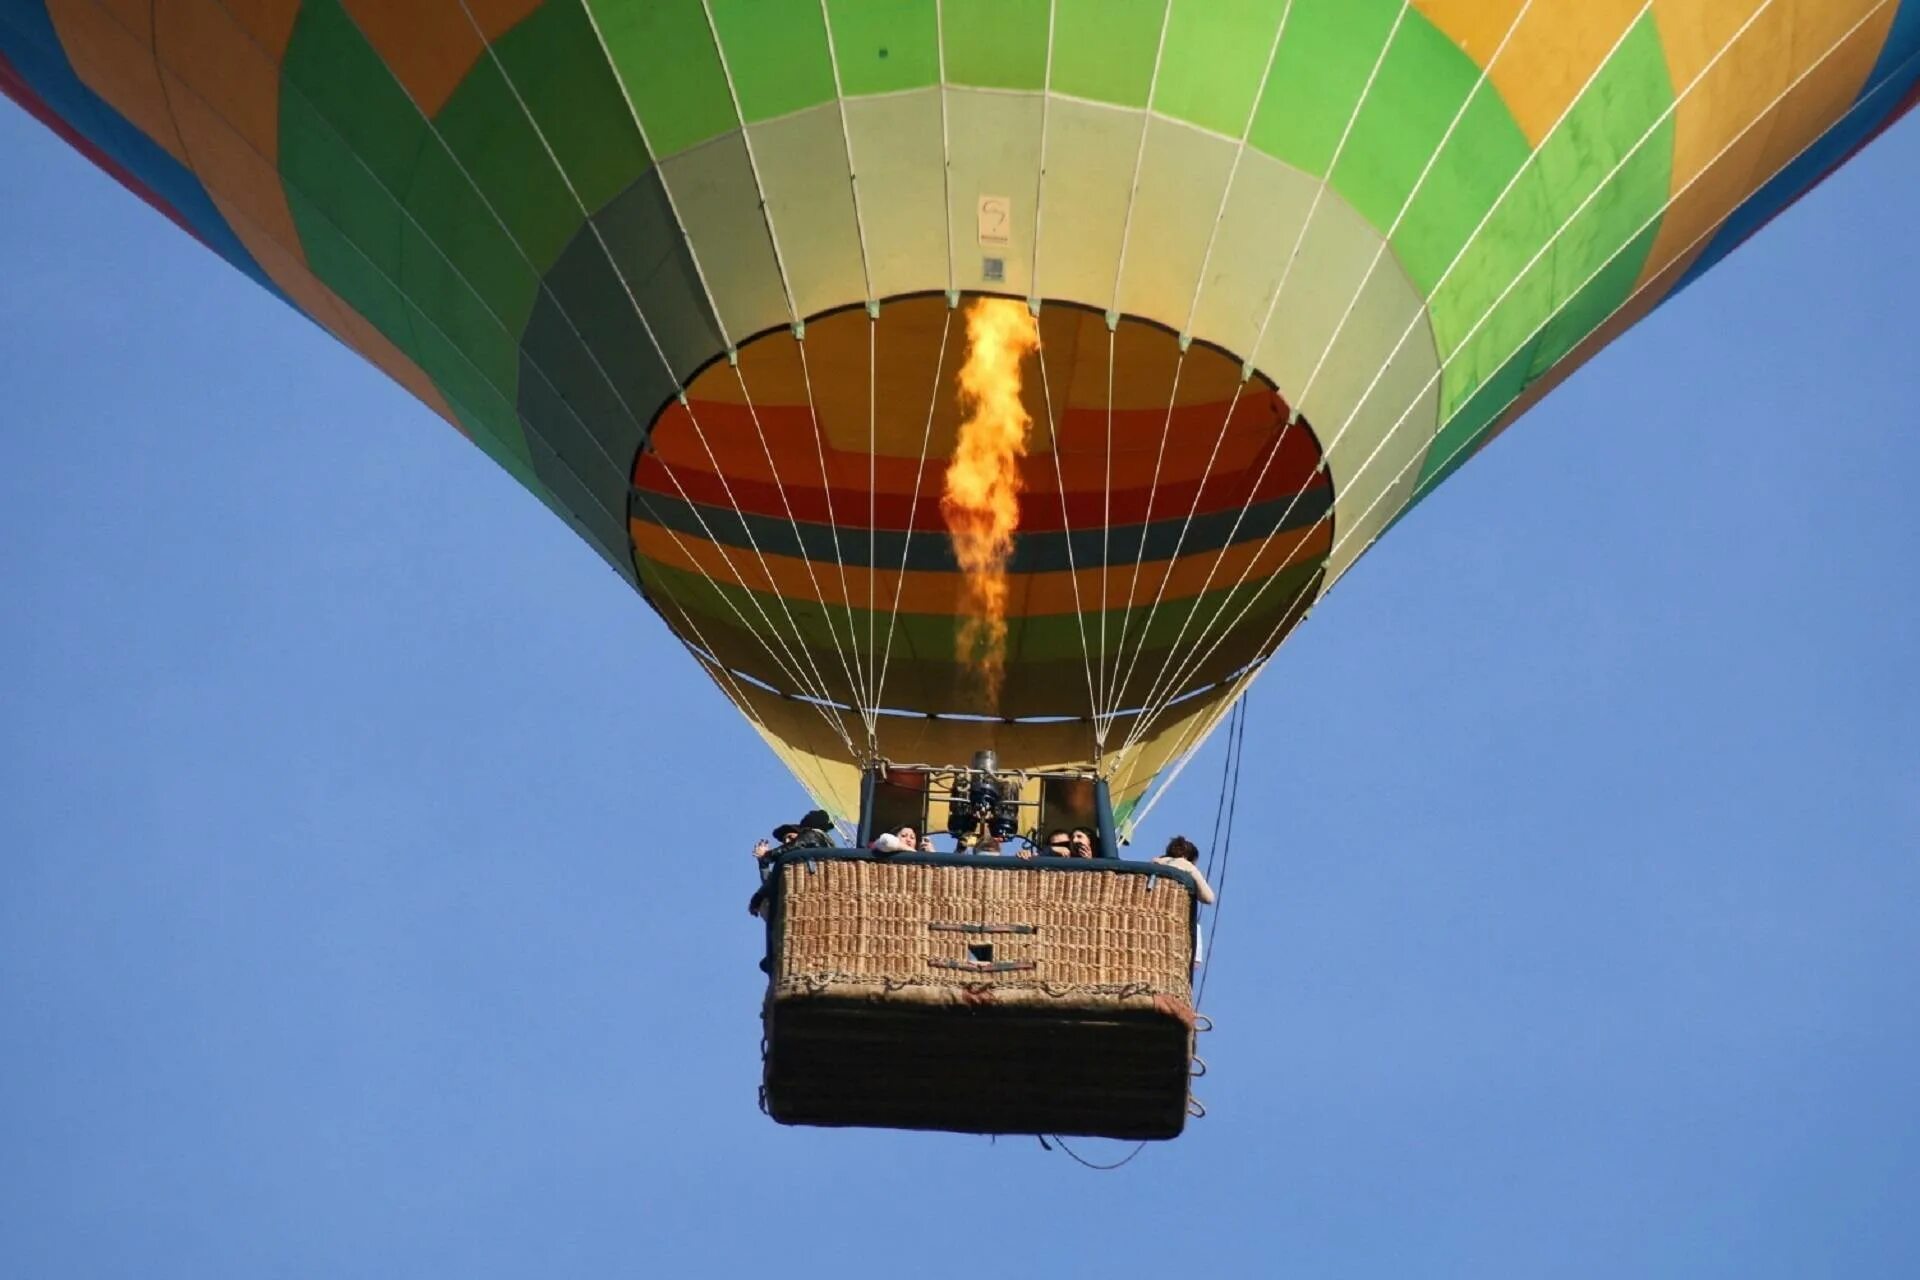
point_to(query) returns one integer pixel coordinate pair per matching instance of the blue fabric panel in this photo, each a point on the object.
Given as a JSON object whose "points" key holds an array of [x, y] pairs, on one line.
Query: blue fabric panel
{"points": [[29, 42]]}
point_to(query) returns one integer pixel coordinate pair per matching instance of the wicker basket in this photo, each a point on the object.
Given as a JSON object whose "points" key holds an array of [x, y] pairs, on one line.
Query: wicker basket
{"points": [[979, 994]]}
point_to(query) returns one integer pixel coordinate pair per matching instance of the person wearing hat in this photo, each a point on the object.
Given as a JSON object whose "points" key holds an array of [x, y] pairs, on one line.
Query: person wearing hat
{"points": [[786, 836], [811, 832]]}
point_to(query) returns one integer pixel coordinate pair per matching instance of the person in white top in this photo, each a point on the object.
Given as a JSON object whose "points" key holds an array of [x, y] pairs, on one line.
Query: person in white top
{"points": [[905, 840], [1182, 855]]}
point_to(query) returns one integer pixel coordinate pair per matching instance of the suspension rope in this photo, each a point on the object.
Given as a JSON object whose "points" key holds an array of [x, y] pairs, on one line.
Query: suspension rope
{"points": [[1319, 194], [1462, 344], [873, 482], [855, 686], [1081, 1160], [1233, 170], [717, 671], [1066, 523], [1106, 540], [946, 141], [819, 686], [1113, 694], [833, 522], [1298, 401], [1254, 668], [802, 553], [846, 139], [473, 422], [1220, 853], [1139, 162], [913, 505], [1119, 687]]}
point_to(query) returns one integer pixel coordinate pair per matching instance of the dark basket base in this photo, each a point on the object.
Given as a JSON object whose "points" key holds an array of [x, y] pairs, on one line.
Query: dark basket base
{"points": [[1109, 1074]]}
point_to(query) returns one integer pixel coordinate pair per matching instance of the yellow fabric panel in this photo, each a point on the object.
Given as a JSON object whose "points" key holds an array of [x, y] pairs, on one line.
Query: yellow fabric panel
{"points": [[1741, 98], [808, 746], [1179, 730], [112, 53], [1554, 51], [928, 592], [429, 45]]}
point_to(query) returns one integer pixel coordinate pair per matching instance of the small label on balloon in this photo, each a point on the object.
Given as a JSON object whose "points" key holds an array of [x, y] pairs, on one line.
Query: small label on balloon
{"points": [[993, 270], [996, 220]]}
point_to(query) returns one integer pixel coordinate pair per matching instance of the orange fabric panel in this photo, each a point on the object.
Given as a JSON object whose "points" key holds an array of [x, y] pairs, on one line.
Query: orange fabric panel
{"points": [[691, 442], [430, 45], [234, 71], [926, 592], [911, 373], [1735, 129], [216, 111], [111, 49], [1553, 52], [223, 81]]}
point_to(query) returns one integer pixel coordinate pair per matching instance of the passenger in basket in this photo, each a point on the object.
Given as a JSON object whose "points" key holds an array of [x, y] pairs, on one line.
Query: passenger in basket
{"points": [[1085, 843], [1059, 844], [905, 840], [816, 831], [1182, 855], [811, 832], [788, 836]]}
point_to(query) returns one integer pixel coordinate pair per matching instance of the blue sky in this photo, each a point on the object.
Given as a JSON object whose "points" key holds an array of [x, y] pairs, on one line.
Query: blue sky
{"points": [[372, 862]]}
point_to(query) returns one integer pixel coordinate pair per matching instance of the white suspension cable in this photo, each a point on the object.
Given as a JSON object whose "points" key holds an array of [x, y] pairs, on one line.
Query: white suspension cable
{"points": [[819, 686], [1861, 100], [1066, 523], [913, 505], [1293, 417], [1117, 690], [1139, 161], [1463, 343], [1319, 194], [1111, 695], [855, 685]]}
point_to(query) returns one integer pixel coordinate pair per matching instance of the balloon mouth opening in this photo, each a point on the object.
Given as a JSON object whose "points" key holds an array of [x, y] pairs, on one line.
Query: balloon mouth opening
{"points": [[1168, 508]]}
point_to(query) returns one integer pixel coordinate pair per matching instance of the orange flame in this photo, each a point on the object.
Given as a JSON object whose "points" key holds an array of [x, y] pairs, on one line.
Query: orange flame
{"points": [[982, 499]]}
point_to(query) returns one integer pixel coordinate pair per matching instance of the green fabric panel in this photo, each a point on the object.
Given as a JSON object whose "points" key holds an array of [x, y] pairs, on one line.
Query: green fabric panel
{"points": [[1215, 57], [339, 77], [1104, 49], [350, 227], [1416, 96], [1486, 150], [555, 62], [996, 44], [1321, 67], [1454, 444], [682, 99], [777, 52], [349, 138], [1553, 305], [459, 250], [884, 46], [338, 262], [499, 172]]}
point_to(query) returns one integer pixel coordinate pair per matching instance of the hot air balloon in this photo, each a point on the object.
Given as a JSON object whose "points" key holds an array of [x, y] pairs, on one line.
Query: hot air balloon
{"points": [[1239, 282]]}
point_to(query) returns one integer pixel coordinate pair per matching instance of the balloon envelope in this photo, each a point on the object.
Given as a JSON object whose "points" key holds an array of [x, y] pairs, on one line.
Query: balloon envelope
{"points": [[688, 269]]}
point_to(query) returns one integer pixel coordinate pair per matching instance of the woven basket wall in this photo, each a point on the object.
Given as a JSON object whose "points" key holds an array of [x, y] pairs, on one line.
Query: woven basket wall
{"points": [[901, 932]]}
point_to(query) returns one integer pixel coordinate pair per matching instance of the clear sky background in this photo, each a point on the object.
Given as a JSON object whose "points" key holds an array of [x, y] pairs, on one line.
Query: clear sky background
{"points": [[372, 862]]}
